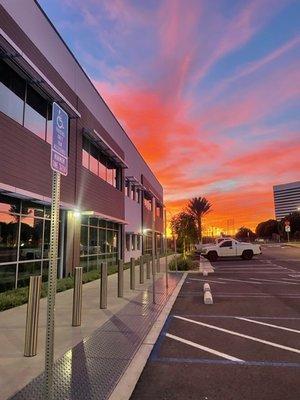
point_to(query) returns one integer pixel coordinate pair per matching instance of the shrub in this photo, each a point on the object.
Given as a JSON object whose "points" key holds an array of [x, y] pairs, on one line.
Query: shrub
{"points": [[183, 264]]}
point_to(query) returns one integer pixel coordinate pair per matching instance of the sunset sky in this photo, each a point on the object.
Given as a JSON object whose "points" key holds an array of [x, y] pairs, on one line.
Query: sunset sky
{"points": [[209, 91]]}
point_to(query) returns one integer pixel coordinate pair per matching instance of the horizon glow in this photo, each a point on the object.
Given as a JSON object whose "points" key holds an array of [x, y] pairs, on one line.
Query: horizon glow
{"points": [[209, 93]]}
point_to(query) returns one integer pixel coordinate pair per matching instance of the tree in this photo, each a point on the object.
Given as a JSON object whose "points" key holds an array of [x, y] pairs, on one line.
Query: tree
{"points": [[197, 208], [294, 219], [183, 224], [267, 229], [245, 234]]}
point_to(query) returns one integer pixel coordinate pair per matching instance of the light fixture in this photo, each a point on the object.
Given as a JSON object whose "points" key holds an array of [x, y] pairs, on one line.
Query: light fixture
{"points": [[77, 214]]}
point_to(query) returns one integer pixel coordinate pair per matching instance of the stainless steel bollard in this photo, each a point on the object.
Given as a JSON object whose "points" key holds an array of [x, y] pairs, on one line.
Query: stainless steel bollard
{"points": [[142, 275], [158, 264], [77, 297], [132, 273], [32, 317], [148, 269], [103, 285], [153, 278], [120, 278]]}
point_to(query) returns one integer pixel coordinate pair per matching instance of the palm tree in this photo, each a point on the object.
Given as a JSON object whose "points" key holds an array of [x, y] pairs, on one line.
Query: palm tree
{"points": [[198, 207]]}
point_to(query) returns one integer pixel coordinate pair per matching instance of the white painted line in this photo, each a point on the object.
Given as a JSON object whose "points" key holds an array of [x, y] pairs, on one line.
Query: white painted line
{"points": [[272, 281], [128, 381], [255, 339], [204, 348], [238, 280], [271, 325], [206, 280]]}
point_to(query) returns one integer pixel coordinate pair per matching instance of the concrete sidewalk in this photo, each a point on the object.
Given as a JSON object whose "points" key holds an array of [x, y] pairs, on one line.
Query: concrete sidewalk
{"points": [[16, 370]]}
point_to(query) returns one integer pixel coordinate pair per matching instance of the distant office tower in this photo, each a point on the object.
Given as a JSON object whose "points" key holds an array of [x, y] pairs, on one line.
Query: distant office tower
{"points": [[286, 199]]}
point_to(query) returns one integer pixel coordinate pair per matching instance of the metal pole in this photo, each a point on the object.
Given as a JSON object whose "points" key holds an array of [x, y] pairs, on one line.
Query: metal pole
{"points": [[148, 271], [158, 263], [166, 250], [153, 248], [77, 297], [120, 278], [52, 278], [132, 273], [103, 285], [142, 278], [32, 317]]}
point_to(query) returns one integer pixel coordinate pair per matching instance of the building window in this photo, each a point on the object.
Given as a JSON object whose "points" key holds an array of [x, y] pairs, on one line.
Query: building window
{"points": [[12, 93], [35, 116], [25, 104], [147, 203], [138, 243], [99, 242], [24, 242], [128, 241], [94, 160], [133, 243]]}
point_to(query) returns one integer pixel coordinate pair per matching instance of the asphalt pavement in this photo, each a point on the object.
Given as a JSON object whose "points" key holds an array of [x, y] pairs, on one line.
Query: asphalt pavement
{"points": [[244, 346]]}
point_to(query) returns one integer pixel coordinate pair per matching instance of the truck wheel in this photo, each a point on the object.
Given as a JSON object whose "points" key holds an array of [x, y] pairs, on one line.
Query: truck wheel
{"points": [[212, 256], [247, 254]]}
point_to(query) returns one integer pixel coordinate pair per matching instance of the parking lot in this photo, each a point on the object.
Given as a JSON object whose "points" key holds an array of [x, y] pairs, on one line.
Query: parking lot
{"points": [[244, 346]]}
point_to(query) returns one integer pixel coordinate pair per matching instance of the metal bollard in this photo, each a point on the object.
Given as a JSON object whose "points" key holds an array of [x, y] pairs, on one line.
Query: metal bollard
{"points": [[77, 297], [158, 264], [148, 269], [132, 273], [153, 278], [120, 278], [142, 275], [32, 317], [103, 285]]}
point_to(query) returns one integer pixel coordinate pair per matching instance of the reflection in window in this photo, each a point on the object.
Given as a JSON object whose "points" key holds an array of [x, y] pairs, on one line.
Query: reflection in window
{"points": [[12, 93], [24, 241], [94, 160], [35, 113], [8, 238]]}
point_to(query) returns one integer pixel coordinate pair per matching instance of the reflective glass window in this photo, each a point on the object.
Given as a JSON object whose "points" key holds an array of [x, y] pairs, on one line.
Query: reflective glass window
{"points": [[12, 92], [9, 226], [84, 240], [93, 248], [7, 277], [49, 123], [9, 204], [31, 238], [26, 270], [35, 113], [102, 240], [85, 158], [102, 171]]}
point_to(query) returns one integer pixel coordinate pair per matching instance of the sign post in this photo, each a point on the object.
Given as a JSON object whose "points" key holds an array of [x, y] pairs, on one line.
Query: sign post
{"points": [[59, 165]]}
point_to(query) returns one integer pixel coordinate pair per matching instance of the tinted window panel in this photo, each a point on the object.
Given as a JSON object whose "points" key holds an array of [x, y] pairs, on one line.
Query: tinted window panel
{"points": [[8, 237], [35, 113], [12, 93]]}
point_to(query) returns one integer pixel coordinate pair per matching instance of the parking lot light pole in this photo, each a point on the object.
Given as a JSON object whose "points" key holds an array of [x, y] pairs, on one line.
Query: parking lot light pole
{"points": [[153, 248]]}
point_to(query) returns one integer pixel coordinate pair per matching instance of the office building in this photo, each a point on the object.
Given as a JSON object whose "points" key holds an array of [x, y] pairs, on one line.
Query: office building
{"points": [[286, 199], [109, 192]]}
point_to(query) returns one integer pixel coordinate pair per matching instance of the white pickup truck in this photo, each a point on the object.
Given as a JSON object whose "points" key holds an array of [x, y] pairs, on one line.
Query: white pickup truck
{"points": [[231, 248]]}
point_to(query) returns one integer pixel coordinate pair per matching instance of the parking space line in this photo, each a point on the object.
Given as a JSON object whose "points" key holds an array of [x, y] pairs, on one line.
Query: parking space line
{"points": [[238, 280], [255, 339], [206, 280], [270, 325], [204, 348], [272, 281], [185, 360]]}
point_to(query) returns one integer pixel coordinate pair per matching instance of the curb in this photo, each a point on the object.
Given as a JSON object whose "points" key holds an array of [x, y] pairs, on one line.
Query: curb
{"points": [[127, 383]]}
